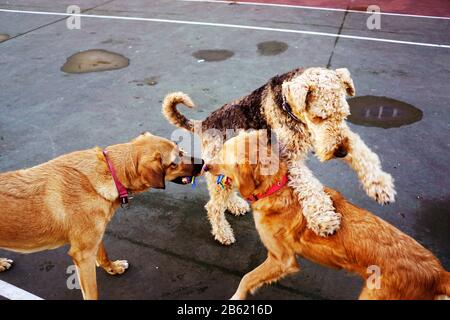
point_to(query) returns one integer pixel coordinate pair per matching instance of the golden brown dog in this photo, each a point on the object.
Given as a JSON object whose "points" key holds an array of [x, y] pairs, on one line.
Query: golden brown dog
{"points": [[71, 199], [364, 243]]}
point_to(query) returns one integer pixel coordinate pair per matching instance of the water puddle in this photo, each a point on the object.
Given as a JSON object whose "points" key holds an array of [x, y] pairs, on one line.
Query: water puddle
{"points": [[383, 112], [94, 60], [4, 36], [271, 48], [152, 81], [212, 55], [112, 41]]}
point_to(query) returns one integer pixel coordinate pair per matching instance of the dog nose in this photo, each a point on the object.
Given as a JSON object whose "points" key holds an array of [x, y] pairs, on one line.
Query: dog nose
{"points": [[340, 152], [198, 165]]}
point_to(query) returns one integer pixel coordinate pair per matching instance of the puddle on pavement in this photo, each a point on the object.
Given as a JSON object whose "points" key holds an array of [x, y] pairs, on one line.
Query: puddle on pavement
{"points": [[93, 61], [271, 48], [213, 55], [152, 81], [4, 36], [383, 112], [112, 41]]}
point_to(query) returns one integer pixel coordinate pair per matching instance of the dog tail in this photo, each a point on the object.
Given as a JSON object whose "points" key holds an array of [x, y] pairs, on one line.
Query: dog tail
{"points": [[444, 287], [170, 111]]}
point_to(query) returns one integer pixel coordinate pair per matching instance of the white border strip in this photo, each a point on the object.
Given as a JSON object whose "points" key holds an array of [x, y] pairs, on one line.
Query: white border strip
{"points": [[315, 8], [11, 292], [237, 26]]}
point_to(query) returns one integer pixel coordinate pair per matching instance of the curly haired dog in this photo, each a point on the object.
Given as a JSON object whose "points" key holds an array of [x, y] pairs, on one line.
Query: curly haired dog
{"points": [[71, 199], [393, 265], [306, 108]]}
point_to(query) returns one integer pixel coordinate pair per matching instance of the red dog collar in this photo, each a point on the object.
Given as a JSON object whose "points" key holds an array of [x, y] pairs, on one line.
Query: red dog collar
{"points": [[274, 188], [123, 193]]}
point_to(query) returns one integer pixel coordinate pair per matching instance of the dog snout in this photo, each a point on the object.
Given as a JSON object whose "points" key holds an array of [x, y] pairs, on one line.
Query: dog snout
{"points": [[198, 165], [340, 152], [210, 168]]}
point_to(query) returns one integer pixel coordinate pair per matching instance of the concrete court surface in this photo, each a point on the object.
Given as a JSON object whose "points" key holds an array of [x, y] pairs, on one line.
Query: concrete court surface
{"points": [[165, 235]]}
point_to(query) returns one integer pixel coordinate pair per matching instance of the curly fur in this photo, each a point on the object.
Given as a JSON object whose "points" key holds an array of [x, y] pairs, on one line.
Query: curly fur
{"points": [[317, 99], [170, 111]]}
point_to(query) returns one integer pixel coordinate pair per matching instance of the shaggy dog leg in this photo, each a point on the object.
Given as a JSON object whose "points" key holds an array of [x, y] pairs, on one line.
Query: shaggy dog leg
{"points": [[216, 207], [317, 206], [5, 264], [237, 205], [378, 184], [271, 270]]}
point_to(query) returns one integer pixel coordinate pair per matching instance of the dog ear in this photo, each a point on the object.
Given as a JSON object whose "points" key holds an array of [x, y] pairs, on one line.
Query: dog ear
{"points": [[346, 78], [295, 94], [152, 172], [245, 179]]}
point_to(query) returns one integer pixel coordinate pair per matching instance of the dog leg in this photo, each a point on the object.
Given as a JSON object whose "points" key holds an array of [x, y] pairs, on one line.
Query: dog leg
{"points": [[367, 294], [317, 206], [378, 184], [5, 264], [84, 260], [112, 267], [237, 205], [216, 207], [269, 271], [377, 294]]}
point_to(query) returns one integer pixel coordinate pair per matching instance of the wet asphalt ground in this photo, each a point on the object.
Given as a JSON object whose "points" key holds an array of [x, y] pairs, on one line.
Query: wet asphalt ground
{"points": [[165, 236]]}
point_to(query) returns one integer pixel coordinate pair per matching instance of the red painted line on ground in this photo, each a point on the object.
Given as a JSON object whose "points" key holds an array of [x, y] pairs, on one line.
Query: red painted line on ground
{"points": [[440, 8]]}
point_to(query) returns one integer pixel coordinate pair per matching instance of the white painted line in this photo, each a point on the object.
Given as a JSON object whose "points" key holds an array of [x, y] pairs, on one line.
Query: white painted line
{"points": [[316, 8], [236, 26], [11, 292]]}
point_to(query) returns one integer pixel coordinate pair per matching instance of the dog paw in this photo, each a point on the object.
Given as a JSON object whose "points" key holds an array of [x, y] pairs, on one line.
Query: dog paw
{"points": [[238, 206], [5, 264], [224, 235], [325, 224], [236, 296], [381, 189], [117, 267]]}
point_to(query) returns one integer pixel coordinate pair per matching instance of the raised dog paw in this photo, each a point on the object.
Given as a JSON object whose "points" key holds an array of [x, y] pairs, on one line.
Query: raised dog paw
{"points": [[5, 264], [238, 206], [325, 223], [381, 189], [117, 267]]}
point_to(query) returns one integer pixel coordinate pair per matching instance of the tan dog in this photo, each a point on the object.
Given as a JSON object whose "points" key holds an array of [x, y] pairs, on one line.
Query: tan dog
{"points": [[408, 270], [71, 199]]}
